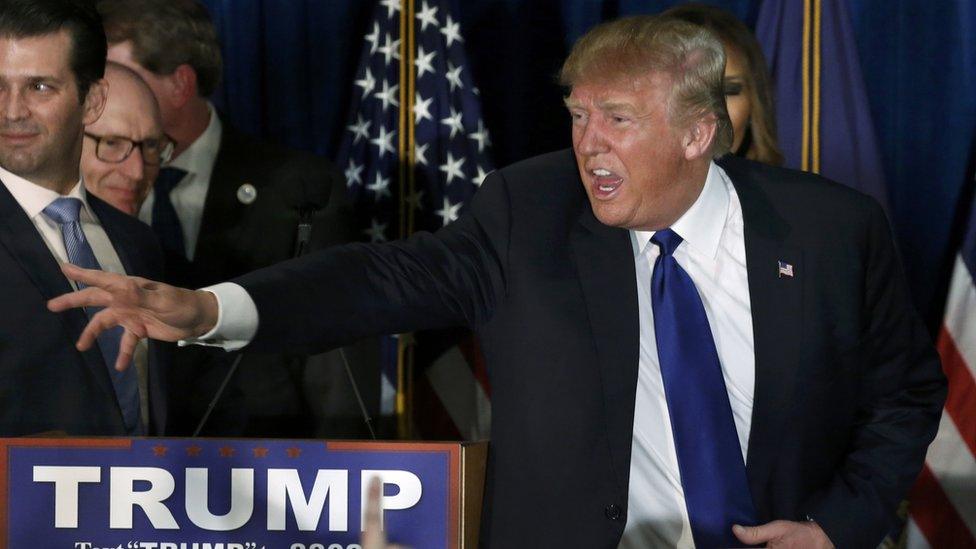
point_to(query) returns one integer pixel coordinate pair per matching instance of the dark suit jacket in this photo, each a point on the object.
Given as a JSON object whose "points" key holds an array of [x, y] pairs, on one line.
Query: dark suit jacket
{"points": [[45, 383], [236, 238], [848, 388]]}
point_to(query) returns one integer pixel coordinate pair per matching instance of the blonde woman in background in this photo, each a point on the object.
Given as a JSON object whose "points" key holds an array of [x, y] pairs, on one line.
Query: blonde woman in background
{"points": [[747, 88]]}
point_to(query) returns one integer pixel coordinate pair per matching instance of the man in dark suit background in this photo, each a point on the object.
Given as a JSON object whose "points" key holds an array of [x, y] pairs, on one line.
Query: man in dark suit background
{"points": [[220, 208], [681, 351], [52, 58]]}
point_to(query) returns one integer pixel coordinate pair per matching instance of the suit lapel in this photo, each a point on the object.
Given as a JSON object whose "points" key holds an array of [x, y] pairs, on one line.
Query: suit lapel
{"points": [[776, 303], [221, 209], [605, 262], [128, 251], [20, 237]]}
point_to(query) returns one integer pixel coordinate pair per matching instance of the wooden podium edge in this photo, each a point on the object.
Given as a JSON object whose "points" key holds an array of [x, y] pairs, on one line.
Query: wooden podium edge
{"points": [[474, 459]]}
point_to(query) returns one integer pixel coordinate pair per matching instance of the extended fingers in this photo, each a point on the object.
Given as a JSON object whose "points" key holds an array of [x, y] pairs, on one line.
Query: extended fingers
{"points": [[89, 297], [102, 321], [127, 348], [90, 277], [760, 534]]}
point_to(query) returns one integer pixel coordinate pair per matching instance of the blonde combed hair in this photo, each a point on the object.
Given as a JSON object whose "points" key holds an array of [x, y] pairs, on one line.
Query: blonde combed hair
{"points": [[638, 45]]}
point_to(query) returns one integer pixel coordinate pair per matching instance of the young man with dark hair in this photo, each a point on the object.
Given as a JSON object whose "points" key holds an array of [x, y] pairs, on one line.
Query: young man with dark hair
{"points": [[218, 206], [51, 67]]}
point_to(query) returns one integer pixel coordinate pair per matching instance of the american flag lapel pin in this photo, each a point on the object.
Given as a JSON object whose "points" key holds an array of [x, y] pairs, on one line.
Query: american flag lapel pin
{"points": [[785, 269]]}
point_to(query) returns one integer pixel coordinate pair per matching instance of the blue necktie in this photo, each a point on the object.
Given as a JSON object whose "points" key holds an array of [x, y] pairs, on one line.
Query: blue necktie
{"points": [[64, 211], [165, 222], [713, 474]]}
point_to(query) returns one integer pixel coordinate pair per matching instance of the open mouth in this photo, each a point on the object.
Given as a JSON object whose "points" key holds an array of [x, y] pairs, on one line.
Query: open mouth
{"points": [[605, 183]]}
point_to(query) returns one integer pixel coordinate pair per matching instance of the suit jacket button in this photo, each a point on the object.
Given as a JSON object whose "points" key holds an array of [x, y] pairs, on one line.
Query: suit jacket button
{"points": [[612, 511]]}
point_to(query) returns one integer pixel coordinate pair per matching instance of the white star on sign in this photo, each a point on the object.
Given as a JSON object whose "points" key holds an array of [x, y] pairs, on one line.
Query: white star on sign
{"points": [[392, 6], [427, 16], [421, 109], [454, 76], [384, 142], [373, 38], [388, 96], [367, 82], [418, 153], [480, 177], [390, 49], [354, 174], [415, 200], [453, 122], [376, 231], [452, 168], [451, 31], [360, 129], [424, 61], [381, 187], [449, 212]]}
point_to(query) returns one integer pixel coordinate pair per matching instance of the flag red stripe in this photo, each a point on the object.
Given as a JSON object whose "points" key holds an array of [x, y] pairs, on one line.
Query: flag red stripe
{"points": [[935, 515], [961, 401], [471, 349]]}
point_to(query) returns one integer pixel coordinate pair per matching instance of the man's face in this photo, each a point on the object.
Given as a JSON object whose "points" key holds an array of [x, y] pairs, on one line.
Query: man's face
{"points": [[630, 158], [41, 117], [121, 53], [130, 113]]}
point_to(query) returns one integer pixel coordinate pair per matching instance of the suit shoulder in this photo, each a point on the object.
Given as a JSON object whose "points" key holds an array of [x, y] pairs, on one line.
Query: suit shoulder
{"points": [[800, 194], [272, 158]]}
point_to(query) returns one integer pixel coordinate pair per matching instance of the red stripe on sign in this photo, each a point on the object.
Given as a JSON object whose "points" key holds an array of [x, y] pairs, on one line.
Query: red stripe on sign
{"points": [[935, 515], [961, 401]]}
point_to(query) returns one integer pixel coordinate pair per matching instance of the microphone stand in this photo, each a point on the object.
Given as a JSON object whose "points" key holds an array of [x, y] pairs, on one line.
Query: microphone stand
{"points": [[301, 242]]}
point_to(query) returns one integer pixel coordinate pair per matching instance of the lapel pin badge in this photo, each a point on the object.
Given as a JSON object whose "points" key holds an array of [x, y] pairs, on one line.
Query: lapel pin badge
{"points": [[785, 269], [247, 194]]}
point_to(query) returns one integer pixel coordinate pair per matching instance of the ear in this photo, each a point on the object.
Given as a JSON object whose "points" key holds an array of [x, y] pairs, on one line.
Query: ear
{"points": [[183, 84], [95, 101], [699, 137]]}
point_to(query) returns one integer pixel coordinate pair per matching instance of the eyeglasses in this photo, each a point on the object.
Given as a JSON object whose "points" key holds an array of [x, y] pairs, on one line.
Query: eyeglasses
{"points": [[115, 149]]}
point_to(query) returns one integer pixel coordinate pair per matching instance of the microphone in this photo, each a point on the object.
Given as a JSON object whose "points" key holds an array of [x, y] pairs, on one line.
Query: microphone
{"points": [[303, 194]]}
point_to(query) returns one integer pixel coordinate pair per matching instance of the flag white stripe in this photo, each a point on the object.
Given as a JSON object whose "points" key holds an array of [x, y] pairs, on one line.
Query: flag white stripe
{"points": [[463, 397], [914, 538], [954, 467], [960, 314]]}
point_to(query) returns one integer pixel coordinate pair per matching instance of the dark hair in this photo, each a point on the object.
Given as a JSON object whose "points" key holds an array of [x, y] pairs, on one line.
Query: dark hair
{"points": [[166, 34], [31, 18], [760, 142]]}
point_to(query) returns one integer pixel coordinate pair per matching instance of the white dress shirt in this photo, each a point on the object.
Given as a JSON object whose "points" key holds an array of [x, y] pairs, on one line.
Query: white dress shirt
{"points": [[33, 199], [714, 256], [190, 194]]}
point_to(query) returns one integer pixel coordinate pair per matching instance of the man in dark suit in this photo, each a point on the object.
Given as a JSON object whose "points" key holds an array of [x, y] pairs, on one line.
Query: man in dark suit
{"points": [[681, 351], [222, 207], [52, 58]]}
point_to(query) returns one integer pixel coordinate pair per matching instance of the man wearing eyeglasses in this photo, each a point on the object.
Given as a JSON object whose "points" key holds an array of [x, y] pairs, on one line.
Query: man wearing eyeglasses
{"points": [[52, 59], [123, 149]]}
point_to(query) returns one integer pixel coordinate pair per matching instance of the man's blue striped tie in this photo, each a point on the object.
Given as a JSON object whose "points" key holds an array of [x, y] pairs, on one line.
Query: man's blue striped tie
{"points": [[65, 212], [713, 473]]}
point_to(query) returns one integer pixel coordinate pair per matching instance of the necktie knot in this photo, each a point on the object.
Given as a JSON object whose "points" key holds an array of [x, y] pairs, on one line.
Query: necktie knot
{"points": [[64, 210], [168, 178], [667, 240]]}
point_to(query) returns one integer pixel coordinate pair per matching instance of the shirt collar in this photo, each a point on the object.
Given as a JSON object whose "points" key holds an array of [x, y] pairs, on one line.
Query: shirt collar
{"points": [[33, 198], [702, 225], [200, 155]]}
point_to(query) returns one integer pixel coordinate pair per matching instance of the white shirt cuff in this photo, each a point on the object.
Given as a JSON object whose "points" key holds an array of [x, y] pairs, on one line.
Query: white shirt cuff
{"points": [[237, 319]]}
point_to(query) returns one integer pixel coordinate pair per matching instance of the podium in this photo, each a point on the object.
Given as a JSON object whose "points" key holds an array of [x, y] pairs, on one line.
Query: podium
{"points": [[181, 493]]}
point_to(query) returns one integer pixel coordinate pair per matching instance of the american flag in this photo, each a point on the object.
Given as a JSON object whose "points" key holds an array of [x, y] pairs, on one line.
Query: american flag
{"points": [[943, 501], [416, 147]]}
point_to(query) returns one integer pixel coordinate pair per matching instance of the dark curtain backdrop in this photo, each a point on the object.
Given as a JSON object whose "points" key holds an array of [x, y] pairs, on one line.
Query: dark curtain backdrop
{"points": [[290, 66]]}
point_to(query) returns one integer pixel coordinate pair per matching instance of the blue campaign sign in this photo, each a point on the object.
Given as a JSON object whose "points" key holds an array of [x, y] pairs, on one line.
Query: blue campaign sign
{"points": [[222, 494]]}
